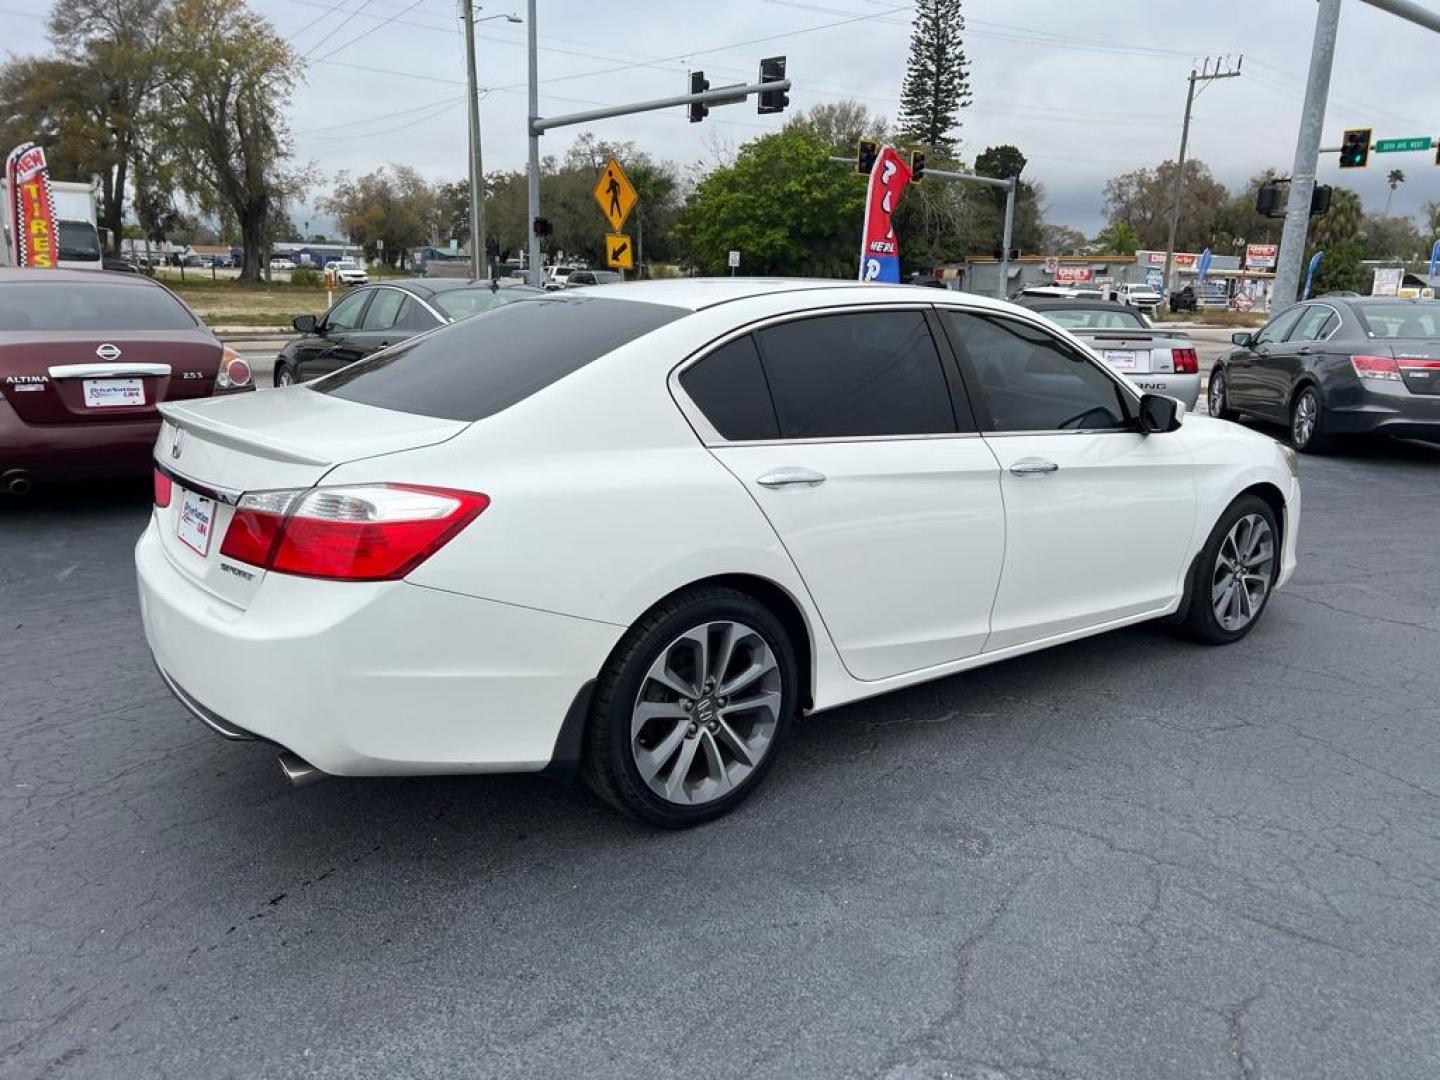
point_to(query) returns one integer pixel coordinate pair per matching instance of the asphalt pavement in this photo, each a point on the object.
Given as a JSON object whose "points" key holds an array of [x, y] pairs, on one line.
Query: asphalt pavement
{"points": [[1126, 857]]}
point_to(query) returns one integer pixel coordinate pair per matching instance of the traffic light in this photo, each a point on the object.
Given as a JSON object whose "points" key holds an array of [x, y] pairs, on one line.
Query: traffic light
{"points": [[1355, 148], [1267, 199], [543, 227], [1320, 199], [917, 166], [698, 85], [865, 156], [1437, 153], [772, 69]]}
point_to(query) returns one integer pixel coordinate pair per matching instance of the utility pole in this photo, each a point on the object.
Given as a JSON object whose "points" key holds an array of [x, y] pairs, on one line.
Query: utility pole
{"points": [[532, 180], [1204, 75], [478, 261]]}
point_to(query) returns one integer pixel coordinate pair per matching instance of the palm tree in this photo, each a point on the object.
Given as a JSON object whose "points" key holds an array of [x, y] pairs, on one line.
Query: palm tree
{"points": [[1395, 179]]}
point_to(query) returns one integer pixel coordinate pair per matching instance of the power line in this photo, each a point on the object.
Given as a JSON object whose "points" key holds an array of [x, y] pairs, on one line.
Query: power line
{"points": [[367, 32]]}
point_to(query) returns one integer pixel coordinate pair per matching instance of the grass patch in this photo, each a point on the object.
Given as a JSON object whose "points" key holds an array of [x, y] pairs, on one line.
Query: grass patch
{"points": [[1241, 319]]}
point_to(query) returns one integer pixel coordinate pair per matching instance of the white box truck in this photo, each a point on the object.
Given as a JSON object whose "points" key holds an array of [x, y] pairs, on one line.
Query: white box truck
{"points": [[75, 221]]}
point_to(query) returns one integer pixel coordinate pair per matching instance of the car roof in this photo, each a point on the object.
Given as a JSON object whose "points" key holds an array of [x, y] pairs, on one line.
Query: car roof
{"points": [[35, 275], [1062, 303], [697, 294], [431, 286]]}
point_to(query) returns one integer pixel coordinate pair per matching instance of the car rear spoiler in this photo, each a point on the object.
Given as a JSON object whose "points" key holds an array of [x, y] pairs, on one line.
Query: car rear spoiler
{"points": [[234, 438]]}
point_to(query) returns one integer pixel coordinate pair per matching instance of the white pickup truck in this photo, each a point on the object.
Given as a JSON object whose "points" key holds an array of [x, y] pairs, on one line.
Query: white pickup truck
{"points": [[1138, 295]]}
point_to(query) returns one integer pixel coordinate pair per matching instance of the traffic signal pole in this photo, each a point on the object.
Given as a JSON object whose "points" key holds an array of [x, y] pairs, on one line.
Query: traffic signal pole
{"points": [[1307, 156], [1009, 186], [771, 90]]}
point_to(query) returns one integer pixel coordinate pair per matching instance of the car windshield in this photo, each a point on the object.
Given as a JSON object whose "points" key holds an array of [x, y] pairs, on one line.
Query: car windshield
{"points": [[1400, 320], [65, 305], [462, 303], [477, 367], [79, 241], [607, 277], [1095, 319]]}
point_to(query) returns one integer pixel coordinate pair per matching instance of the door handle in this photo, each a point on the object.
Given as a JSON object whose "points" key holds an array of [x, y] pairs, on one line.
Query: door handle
{"points": [[791, 476], [1031, 466], [1306, 350]]}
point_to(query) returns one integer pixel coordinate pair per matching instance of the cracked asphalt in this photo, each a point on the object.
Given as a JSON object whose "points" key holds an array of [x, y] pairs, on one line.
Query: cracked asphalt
{"points": [[1127, 857]]}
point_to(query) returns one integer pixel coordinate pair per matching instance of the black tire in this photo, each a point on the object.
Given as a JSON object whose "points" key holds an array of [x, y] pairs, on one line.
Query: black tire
{"points": [[609, 765], [1200, 621], [1311, 438], [1218, 396], [281, 370]]}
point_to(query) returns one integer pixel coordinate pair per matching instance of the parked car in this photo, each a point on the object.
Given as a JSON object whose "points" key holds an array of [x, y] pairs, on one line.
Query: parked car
{"points": [[1337, 366], [1184, 300], [282, 264], [370, 318], [578, 278], [86, 358], [636, 530], [348, 272], [1056, 292], [1139, 295], [1156, 361], [556, 276]]}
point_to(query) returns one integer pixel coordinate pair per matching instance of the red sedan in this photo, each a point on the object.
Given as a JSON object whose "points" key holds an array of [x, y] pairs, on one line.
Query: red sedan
{"points": [[85, 358]]}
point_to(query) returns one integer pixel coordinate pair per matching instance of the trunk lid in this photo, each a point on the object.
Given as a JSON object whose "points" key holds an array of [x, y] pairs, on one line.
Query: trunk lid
{"points": [[59, 378], [1419, 365], [217, 450], [1133, 351]]}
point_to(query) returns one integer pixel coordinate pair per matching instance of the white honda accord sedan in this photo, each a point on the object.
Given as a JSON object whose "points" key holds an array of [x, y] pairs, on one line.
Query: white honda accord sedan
{"points": [[635, 530]]}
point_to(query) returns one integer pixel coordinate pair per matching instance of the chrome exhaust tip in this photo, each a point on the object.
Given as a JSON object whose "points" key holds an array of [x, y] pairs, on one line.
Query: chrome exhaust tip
{"points": [[299, 771]]}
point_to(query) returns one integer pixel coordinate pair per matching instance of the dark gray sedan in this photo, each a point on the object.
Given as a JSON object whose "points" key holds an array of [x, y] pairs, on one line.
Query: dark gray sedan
{"points": [[374, 317], [1337, 366]]}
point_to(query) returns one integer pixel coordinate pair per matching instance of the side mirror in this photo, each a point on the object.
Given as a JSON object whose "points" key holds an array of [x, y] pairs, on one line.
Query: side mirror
{"points": [[1159, 414], [304, 324], [1241, 338]]}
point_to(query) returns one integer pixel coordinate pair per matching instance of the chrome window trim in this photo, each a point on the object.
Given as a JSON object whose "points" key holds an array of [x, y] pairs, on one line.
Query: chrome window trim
{"points": [[408, 295], [1339, 321]]}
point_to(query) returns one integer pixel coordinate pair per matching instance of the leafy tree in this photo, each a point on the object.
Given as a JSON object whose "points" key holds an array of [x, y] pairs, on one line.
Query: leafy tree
{"points": [[1432, 218], [987, 216], [937, 77], [1062, 240], [225, 78], [782, 205], [1235, 222], [1118, 238], [1341, 269], [842, 124], [396, 209], [1392, 238], [1338, 224], [1394, 180], [1142, 199]]}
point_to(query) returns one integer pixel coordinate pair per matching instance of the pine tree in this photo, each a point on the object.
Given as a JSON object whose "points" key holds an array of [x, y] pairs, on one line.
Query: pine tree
{"points": [[937, 77]]}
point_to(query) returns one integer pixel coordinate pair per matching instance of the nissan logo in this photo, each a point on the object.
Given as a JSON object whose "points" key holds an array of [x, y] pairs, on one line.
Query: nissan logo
{"points": [[108, 351]]}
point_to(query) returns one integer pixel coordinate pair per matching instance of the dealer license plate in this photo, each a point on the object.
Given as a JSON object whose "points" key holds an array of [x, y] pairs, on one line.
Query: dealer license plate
{"points": [[108, 393], [1120, 359], [197, 521]]}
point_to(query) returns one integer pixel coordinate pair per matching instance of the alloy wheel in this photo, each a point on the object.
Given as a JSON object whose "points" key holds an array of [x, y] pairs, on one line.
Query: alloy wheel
{"points": [[1217, 394], [287, 377], [706, 713], [1244, 570], [1307, 412]]}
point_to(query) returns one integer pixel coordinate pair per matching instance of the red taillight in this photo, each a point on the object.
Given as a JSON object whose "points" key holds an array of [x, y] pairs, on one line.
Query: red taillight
{"points": [[234, 372], [373, 532], [1376, 367], [1187, 361], [162, 489]]}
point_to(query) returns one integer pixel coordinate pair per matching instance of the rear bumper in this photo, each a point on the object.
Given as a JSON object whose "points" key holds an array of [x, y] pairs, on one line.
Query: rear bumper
{"points": [[64, 451], [1184, 387], [1389, 410], [369, 679]]}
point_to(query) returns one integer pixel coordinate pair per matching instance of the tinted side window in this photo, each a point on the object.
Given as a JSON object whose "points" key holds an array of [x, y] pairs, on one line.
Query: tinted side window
{"points": [[414, 317], [729, 387], [1314, 324], [383, 310], [1279, 326], [478, 366], [867, 373], [1031, 381], [346, 314]]}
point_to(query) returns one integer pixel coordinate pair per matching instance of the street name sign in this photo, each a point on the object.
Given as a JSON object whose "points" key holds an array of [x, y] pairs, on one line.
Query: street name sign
{"points": [[1393, 146]]}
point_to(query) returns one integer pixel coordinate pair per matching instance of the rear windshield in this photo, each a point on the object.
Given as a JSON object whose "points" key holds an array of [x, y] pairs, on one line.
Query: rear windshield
{"points": [[1093, 319], [71, 305], [1400, 320], [462, 303], [476, 367]]}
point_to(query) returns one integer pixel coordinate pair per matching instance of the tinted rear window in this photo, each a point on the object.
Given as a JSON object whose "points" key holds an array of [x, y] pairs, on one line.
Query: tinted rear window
{"points": [[66, 305], [476, 367], [462, 303], [1400, 320], [1094, 319]]}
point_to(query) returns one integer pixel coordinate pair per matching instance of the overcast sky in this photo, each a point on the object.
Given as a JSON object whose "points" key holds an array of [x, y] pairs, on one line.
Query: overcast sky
{"points": [[1086, 90]]}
